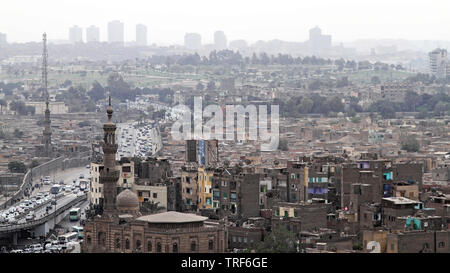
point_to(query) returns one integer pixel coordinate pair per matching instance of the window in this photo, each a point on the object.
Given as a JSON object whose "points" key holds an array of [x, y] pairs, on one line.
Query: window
{"points": [[149, 246], [392, 247], [138, 245], [117, 243], [295, 214], [286, 213], [224, 195], [175, 248], [193, 246], [155, 195], [441, 244], [127, 244], [211, 245], [89, 240], [158, 247], [126, 169], [233, 196]]}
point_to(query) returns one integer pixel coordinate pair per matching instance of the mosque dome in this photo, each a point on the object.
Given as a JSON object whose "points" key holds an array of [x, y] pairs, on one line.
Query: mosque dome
{"points": [[127, 201]]}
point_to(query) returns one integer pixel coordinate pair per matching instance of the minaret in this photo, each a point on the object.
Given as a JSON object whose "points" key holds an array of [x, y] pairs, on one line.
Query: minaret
{"points": [[109, 175], [47, 134]]}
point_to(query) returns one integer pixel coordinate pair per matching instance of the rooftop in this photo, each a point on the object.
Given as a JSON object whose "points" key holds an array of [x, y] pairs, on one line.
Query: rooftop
{"points": [[172, 217], [400, 200]]}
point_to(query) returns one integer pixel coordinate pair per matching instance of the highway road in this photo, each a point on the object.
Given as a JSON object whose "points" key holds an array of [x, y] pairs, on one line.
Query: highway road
{"points": [[67, 176]]}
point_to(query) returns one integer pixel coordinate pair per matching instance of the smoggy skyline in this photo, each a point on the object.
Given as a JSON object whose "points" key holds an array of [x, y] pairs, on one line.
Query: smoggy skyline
{"points": [[168, 21]]}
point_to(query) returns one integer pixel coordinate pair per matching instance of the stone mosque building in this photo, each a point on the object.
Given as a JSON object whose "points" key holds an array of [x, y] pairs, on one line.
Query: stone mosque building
{"points": [[122, 228]]}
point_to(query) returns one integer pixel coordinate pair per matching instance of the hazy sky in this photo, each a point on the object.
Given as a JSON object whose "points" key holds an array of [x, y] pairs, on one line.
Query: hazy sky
{"points": [[290, 20]]}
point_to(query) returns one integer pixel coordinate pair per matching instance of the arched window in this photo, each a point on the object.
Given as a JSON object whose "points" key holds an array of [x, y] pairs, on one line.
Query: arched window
{"points": [[158, 247], [127, 244], [193, 246], [149, 246], [138, 245], [175, 248], [211, 245], [101, 238], [117, 243]]}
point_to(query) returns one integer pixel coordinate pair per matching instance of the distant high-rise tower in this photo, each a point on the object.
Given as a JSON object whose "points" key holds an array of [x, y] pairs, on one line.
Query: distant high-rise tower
{"points": [[317, 41], [116, 33], [92, 34], [76, 34], [439, 63], [47, 133], [193, 41], [3, 39], [109, 175], [141, 35], [220, 40]]}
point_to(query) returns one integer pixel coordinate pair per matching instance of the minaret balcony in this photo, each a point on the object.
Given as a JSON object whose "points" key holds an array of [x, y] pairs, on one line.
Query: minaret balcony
{"points": [[109, 177]]}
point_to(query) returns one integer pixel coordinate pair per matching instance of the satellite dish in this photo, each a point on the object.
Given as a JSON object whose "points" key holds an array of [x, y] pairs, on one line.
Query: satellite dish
{"points": [[374, 247]]}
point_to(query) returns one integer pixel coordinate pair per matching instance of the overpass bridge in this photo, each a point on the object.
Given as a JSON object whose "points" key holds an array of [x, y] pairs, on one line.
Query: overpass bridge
{"points": [[42, 225]]}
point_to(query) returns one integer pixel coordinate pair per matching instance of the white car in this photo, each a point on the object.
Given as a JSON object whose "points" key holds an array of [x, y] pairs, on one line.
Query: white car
{"points": [[30, 217], [36, 248]]}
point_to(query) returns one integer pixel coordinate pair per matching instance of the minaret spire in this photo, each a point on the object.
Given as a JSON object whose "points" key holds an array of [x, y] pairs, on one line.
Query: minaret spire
{"points": [[47, 134], [109, 175]]}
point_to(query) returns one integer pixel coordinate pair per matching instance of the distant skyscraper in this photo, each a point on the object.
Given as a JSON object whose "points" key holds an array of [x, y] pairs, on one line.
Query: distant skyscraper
{"points": [[92, 34], [141, 35], [3, 39], [439, 63], [319, 42], [193, 41], [75, 34], [220, 40], [116, 32]]}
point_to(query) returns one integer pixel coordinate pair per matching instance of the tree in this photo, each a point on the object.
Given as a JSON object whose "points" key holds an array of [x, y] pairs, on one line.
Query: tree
{"points": [[306, 105], [18, 107], [283, 145], [410, 144], [17, 167], [335, 104], [118, 88], [375, 80], [17, 133], [342, 82], [200, 86], [280, 240], [440, 108], [97, 92], [34, 163], [30, 109]]}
